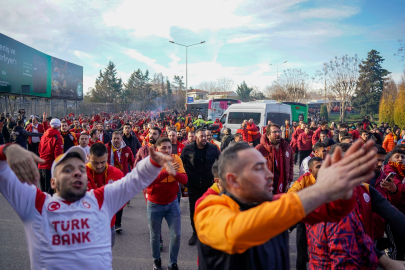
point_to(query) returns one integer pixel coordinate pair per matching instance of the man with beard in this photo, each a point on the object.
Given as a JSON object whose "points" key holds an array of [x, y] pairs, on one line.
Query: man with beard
{"points": [[323, 127], [279, 157], [120, 156], [104, 137], [70, 229], [198, 158], [180, 136], [143, 152], [131, 140], [99, 174]]}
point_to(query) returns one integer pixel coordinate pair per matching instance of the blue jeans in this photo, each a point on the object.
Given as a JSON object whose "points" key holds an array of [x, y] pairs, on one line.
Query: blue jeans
{"points": [[156, 213]]}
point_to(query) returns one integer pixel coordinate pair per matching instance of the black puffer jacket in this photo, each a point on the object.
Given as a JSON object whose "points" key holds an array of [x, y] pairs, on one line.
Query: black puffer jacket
{"points": [[202, 177]]}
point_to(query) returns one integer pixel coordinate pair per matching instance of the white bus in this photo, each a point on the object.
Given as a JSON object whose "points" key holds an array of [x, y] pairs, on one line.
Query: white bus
{"points": [[213, 108]]}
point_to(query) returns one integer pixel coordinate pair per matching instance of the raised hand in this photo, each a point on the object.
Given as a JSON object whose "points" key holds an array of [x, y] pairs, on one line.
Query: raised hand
{"points": [[23, 163], [163, 160]]}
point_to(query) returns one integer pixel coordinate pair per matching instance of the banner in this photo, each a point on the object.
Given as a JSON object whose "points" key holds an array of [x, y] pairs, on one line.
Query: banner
{"points": [[26, 71]]}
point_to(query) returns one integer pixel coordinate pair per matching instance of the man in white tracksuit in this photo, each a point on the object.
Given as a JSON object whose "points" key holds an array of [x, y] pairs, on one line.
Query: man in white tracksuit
{"points": [[71, 229]]}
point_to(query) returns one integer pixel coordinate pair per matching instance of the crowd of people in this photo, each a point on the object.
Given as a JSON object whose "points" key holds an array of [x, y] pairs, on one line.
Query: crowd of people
{"points": [[70, 178]]}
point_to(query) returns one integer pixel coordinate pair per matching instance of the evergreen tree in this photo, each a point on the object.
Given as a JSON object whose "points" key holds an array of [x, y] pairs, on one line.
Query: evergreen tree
{"points": [[323, 112], [370, 84], [108, 87], [178, 83], [244, 91], [399, 111], [140, 90]]}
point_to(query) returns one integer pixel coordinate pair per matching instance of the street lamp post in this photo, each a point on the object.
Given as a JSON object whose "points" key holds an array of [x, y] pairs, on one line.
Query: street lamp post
{"points": [[186, 61], [277, 69]]}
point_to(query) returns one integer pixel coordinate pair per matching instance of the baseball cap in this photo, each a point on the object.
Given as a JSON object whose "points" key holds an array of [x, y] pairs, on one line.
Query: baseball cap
{"points": [[55, 123], [60, 158]]}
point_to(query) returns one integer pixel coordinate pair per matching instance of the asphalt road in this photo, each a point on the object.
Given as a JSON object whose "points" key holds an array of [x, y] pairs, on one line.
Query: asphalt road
{"points": [[132, 247]]}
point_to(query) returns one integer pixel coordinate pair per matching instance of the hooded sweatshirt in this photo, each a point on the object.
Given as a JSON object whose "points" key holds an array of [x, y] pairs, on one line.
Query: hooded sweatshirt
{"points": [[50, 147]]}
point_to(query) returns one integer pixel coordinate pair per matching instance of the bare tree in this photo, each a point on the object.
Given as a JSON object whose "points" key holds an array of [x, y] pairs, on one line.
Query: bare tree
{"points": [[296, 82], [275, 92], [224, 84], [325, 92], [209, 86], [401, 49], [341, 76]]}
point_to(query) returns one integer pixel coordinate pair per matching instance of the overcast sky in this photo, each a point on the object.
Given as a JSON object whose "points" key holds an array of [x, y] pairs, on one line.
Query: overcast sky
{"points": [[241, 37]]}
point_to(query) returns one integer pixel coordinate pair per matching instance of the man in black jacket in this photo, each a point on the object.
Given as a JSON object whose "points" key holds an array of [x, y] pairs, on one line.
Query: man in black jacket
{"points": [[19, 134], [198, 158], [104, 137], [131, 140]]}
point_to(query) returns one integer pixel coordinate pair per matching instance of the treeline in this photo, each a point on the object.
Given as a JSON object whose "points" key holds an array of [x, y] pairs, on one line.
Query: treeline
{"points": [[140, 92], [392, 105]]}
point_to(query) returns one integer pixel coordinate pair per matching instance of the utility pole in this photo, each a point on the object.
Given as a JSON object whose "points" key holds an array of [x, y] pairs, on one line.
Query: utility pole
{"points": [[277, 69], [187, 61]]}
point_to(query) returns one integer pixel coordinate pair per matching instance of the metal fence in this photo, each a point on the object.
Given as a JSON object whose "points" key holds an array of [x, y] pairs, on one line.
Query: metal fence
{"points": [[53, 107]]}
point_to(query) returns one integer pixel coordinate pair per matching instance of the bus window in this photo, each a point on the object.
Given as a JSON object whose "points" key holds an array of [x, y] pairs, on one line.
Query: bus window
{"points": [[278, 118], [238, 117]]}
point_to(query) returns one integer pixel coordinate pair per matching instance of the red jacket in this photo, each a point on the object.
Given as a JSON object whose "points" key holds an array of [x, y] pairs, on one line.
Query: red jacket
{"points": [[244, 133], [304, 141], [126, 158], [253, 132], [317, 134], [111, 174], [76, 130], [143, 152], [50, 147], [40, 130], [294, 140], [356, 134], [399, 171], [164, 189], [180, 147], [267, 151], [394, 199]]}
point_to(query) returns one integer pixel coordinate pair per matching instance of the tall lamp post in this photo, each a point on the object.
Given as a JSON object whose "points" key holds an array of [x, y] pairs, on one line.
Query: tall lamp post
{"points": [[277, 69], [186, 60]]}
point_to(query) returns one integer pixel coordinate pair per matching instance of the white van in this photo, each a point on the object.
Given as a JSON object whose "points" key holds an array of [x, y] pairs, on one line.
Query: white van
{"points": [[260, 112]]}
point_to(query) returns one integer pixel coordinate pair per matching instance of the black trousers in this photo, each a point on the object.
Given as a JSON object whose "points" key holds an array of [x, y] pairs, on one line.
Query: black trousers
{"points": [[302, 155], [256, 142], [33, 147], [45, 180], [296, 157], [118, 216], [193, 196], [302, 247]]}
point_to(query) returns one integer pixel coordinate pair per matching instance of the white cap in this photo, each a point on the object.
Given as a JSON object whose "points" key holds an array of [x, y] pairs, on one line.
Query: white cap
{"points": [[31, 116], [60, 158], [55, 123], [199, 117], [209, 118]]}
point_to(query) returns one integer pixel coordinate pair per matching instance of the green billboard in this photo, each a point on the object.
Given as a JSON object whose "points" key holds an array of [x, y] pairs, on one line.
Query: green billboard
{"points": [[26, 71]]}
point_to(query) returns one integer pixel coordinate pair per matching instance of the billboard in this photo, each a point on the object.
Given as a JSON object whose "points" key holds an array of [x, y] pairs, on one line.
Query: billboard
{"points": [[30, 72]]}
